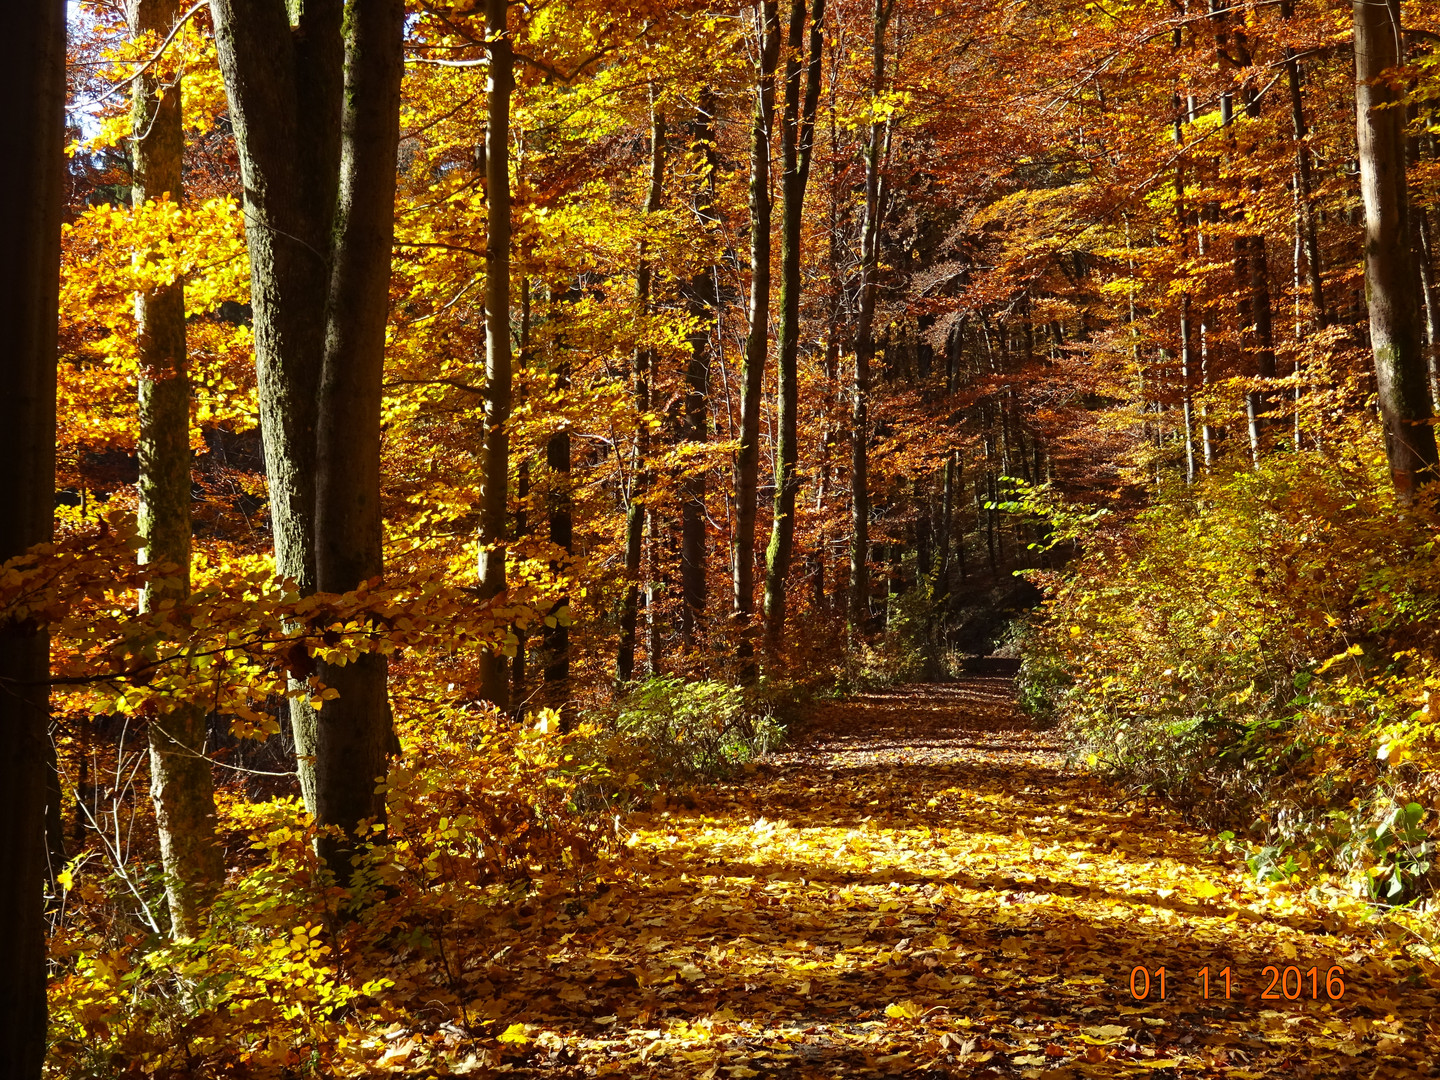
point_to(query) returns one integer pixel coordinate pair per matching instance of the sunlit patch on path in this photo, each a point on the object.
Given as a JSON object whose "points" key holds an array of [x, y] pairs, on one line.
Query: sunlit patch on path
{"points": [[921, 886]]}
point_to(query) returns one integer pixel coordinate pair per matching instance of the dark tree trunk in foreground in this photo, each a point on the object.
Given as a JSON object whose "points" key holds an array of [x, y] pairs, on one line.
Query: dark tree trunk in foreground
{"points": [[1391, 276], [757, 343], [181, 785], [315, 112], [798, 127], [865, 339], [32, 78], [496, 453]]}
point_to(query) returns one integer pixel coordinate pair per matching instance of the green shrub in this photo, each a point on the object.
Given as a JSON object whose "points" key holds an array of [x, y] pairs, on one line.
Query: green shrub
{"points": [[673, 732], [1262, 648]]}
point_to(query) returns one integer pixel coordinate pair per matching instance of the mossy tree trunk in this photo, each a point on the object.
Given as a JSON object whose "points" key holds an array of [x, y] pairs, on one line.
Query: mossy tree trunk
{"points": [[757, 342], [313, 87], [797, 140], [1392, 280], [181, 785]]}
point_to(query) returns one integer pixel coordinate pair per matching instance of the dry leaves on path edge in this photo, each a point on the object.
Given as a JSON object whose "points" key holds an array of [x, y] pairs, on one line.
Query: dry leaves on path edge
{"points": [[923, 888]]}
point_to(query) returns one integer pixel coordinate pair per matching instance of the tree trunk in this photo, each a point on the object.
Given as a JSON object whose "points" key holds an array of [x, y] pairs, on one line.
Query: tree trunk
{"points": [[32, 78], [644, 364], [496, 452], [947, 515], [1391, 278], [354, 731], [703, 305], [315, 109], [1253, 270], [283, 85], [865, 339], [797, 140], [555, 642], [747, 459], [181, 785], [1426, 255], [519, 676], [1304, 186]]}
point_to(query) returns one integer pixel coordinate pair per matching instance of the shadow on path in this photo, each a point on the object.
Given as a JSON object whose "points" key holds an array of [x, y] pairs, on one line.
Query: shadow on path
{"points": [[921, 886]]}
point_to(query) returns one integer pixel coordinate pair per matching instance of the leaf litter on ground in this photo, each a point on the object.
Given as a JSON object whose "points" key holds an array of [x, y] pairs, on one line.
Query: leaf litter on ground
{"points": [[920, 886]]}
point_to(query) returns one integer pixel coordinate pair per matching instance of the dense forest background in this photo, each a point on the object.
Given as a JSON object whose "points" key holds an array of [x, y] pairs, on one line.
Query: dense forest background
{"points": [[473, 422]]}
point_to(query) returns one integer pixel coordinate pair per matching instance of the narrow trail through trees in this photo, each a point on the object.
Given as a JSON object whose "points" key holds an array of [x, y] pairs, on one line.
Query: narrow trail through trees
{"points": [[923, 887]]}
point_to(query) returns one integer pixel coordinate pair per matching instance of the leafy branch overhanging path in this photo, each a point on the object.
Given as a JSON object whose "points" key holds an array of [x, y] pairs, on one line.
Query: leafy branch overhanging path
{"points": [[922, 888]]}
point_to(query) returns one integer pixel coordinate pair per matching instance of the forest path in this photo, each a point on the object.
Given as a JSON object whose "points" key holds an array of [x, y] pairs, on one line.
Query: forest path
{"points": [[921, 887]]}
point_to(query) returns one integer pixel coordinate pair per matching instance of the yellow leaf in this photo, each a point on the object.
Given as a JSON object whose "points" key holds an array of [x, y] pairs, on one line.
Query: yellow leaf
{"points": [[515, 1034], [1204, 890], [904, 1010]]}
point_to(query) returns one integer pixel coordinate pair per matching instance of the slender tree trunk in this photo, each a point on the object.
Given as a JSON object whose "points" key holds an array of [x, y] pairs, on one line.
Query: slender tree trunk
{"points": [[703, 305], [32, 130], [1426, 256], [1391, 278], [757, 342], [1182, 220], [519, 675], [797, 139], [560, 521], [640, 475], [496, 453], [947, 512], [181, 785], [1304, 186], [864, 337], [519, 668], [1253, 266]]}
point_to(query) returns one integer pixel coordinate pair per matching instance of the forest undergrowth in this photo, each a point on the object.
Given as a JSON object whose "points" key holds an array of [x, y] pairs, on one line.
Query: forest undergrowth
{"points": [[919, 886], [1261, 650]]}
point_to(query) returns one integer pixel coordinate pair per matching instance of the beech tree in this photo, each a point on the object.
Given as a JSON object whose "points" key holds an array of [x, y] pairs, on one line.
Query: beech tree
{"points": [[797, 143], [315, 107], [1392, 277], [757, 341], [180, 774], [32, 74], [875, 149], [500, 84]]}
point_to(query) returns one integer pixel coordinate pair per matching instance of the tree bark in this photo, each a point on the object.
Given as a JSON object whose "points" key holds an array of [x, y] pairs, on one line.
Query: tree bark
{"points": [[640, 476], [797, 140], [32, 129], [519, 675], [747, 459], [181, 785], [354, 731], [496, 452], [864, 337], [1391, 276], [1304, 188], [315, 110], [283, 86], [703, 305]]}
